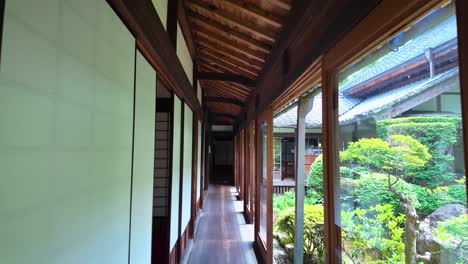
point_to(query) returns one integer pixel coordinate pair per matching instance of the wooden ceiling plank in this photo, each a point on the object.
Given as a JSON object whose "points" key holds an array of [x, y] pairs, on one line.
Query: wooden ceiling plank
{"points": [[227, 64], [227, 32], [281, 3], [224, 90], [228, 89], [228, 68], [230, 92], [256, 12], [222, 15], [224, 100], [233, 87], [230, 44], [218, 76], [218, 57], [234, 56]]}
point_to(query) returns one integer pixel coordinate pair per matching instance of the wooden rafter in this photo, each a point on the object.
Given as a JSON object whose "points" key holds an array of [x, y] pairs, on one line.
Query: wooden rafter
{"points": [[228, 32], [221, 90], [227, 43], [281, 3], [222, 15], [256, 12], [232, 55], [225, 92], [218, 76], [232, 86], [227, 89], [226, 64]]}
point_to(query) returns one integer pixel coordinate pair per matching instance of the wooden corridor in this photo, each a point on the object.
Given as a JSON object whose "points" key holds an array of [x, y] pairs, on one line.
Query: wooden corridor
{"points": [[223, 236]]}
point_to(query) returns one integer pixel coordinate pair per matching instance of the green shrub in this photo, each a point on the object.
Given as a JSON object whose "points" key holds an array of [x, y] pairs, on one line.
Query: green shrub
{"points": [[370, 190], [313, 231], [439, 134], [283, 202], [373, 235]]}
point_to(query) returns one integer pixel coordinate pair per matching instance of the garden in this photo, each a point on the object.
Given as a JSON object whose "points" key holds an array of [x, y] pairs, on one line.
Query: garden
{"points": [[402, 195]]}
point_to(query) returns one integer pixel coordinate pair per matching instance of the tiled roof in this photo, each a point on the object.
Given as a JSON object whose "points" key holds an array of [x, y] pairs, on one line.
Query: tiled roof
{"points": [[381, 102], [432, 38], [314, 117], [352, 109]]}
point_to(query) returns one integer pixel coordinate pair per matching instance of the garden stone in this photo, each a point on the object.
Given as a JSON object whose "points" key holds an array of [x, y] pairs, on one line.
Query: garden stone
{"points": [[279, 254], [428, 241]]}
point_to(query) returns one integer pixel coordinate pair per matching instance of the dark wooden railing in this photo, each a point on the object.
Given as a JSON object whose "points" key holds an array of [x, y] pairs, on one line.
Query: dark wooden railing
{"points": [[281, 189]]}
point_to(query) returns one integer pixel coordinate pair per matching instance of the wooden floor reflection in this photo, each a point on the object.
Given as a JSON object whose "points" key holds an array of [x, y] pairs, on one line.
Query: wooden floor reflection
{"points": [[223, 235]]}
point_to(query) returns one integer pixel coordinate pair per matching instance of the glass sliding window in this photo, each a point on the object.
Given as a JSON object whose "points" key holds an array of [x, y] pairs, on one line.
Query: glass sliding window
{"points": [[263, 182], [285, 207], [401, 173]]}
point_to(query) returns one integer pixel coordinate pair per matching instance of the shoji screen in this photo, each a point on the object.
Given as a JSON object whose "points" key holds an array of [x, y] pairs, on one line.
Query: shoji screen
{"points": [[176, 135], [143, 164], [187, 163], [66, 85], [199, 160]]}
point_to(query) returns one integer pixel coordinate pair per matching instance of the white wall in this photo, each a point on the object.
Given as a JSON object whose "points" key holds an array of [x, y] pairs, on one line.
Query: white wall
{"points": [[187, 164], [143, 166], [66, 85], [161, 9], [175, 172]]}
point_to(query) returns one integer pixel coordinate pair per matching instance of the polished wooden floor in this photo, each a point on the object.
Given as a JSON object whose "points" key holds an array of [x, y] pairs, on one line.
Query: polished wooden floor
{"points": [[222, 235]]}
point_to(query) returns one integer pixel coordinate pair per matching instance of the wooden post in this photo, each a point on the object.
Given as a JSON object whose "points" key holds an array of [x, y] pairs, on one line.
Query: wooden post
{"points": [[462, 24], [304, 107]]}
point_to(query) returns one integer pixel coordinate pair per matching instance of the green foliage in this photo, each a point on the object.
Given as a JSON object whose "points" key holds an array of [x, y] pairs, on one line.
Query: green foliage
{"points": [[454, 234], [374, 233], [313, 231], [399, 155], [438, 134], [287, 200], [283, 202], [315, 177]]}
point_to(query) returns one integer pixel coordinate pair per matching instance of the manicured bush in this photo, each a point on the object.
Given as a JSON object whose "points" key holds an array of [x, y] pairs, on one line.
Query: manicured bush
{"points": [[313, 231], [439, 134]]}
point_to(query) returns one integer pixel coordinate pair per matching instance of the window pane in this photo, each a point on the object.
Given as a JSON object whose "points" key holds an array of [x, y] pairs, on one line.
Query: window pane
{"points": [[402, 176], [285, 179], [263, 183]]}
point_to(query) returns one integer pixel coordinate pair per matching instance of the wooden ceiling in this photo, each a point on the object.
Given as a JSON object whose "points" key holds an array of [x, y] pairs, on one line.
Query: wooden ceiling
{"points": [[233, 39]]}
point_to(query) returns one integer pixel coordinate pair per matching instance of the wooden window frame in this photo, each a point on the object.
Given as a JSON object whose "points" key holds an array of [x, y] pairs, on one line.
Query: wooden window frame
{"points": [[387, 19], [265, 248]]}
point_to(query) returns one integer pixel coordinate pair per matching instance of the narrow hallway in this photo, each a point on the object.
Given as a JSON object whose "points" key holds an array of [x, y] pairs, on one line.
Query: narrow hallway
{"points": [[223, 236]]}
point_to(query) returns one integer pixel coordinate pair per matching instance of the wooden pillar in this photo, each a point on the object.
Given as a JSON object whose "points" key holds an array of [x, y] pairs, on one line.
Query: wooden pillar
{"points": [[332, 233], [304, 107], [462, 24]]}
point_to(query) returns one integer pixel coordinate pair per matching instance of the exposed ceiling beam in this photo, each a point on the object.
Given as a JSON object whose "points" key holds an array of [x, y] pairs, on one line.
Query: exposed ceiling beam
{"points": [[222, 15], [225, 63], [226, 68], [218, 76], [258, 13], [311, 28], [229, 44], [224, 100], [222, 91], [233, 117], [226, 89], [281, 3], [228, 32], [231, 55]]}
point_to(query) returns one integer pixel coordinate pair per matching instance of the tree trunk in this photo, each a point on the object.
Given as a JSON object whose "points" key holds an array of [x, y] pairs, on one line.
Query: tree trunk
{"points": [[411, 232]]}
